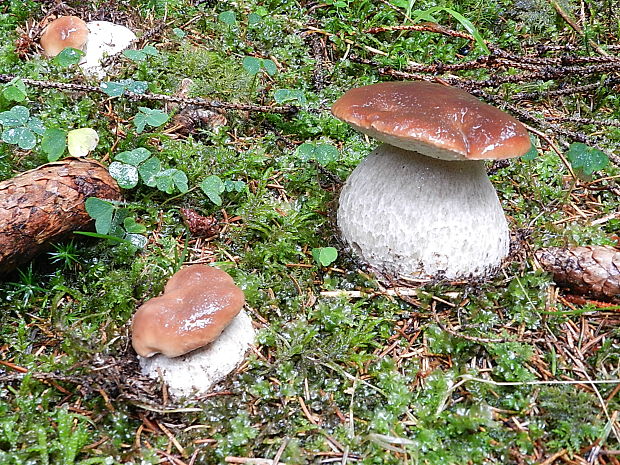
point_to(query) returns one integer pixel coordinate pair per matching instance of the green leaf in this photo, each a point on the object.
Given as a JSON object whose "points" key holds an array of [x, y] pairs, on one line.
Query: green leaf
{"points": [[17, 82], [531, 153], [150, 50], [54, 143], [167, 180], [116, 89], [140, 122], [82, 141], [400, 3], [16, 116], [322, 153], [12, 93], [586, 159], [126, 175], [180, 180], [252, 65], [113, 89], [131, 226], [137, 87], [23, 137], [101, 211], [254, 19], [36, 125], [164, 182], [148, 170], [149, 116], [102, 236], [427, 15], [288, 95], [156, 118], [133, 157], [69, 57], [270, 67], [137, 240], [15, 91], [234, 186], [134, 55], [213, 186], [228, 17], [180, 33], [325, 256]]}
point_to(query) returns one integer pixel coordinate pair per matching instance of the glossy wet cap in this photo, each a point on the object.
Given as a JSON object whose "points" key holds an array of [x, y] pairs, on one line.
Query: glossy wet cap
{"points": [[63, 32], [434, 120], [198, 302]]}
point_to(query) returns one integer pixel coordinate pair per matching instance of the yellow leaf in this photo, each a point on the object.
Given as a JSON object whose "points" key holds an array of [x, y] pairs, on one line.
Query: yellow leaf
{"points": [[81, 141]]}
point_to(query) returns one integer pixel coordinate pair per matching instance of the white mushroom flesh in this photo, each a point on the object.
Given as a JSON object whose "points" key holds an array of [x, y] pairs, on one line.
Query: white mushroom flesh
{"points": [[104, 39]]}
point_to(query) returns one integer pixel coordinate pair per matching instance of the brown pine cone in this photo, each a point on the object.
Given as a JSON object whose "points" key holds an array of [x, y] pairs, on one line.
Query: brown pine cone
{"points": [[47, 203], [591, 270]]}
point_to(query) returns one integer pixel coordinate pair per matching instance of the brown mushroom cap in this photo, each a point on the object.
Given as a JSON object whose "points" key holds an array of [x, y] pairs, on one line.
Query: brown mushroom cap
{"points": [[198, 302], [434, 120], [66, 31]]}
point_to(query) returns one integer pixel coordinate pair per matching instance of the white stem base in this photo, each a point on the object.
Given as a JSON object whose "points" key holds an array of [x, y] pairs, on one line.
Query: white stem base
{"points": [[416, 216], [195, 373]]}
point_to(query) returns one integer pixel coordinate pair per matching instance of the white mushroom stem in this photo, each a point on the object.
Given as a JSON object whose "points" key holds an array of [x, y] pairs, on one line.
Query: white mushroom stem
{"points": [[415, 216], [196, 372]]}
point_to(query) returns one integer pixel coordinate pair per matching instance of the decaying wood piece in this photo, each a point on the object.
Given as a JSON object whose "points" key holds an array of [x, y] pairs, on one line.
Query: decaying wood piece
{"points": [[44, 204], [588, 270], [190, 117]]}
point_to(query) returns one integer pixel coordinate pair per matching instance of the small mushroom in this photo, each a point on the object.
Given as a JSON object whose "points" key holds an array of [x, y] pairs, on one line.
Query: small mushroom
{"points": [[63, 32], [421, 204], [98, 40], [198, 302]]}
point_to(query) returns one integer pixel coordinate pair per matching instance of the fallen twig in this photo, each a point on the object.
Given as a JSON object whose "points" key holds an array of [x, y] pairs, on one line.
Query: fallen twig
{"points": [[196, 101]]}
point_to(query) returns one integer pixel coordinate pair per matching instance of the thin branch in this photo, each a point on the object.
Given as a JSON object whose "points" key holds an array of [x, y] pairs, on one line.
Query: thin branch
{"points": [[195, 101]]}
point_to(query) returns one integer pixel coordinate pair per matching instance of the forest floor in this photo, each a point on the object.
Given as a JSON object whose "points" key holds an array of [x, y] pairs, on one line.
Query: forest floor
{"points": [[348, 368]]}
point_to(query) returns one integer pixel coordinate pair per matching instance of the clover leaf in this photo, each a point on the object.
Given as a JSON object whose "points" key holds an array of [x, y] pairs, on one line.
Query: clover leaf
{"points": [[213, 186], [69, 57], [15, 90], [147, 116], [54, 143], [586, 159], [321, 153], [325, 256]]}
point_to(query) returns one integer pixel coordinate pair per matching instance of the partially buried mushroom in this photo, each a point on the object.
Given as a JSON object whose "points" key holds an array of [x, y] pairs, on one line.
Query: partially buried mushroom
{"points": [[421, 204], [199, 328], [98, 39], [197, 304]]}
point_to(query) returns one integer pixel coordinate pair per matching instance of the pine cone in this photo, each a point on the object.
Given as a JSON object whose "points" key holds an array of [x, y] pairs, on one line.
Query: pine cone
{"points": [[47, 203], [590, 270]]}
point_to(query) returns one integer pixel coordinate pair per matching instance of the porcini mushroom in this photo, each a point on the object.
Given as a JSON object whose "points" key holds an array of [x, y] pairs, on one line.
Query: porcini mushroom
{"points": [[197, 304], [196, 372], [421, 204], [97, 39], [63, 32]]}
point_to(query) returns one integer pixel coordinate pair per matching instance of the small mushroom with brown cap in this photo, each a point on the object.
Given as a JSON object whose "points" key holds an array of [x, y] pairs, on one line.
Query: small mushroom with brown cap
{"points": [[421, 204], [197, 304], [63, 32]]}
